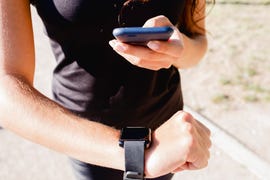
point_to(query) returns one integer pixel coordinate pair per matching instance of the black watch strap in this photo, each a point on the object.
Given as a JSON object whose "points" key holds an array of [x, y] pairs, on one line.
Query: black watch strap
{"points": [[134, 157]]}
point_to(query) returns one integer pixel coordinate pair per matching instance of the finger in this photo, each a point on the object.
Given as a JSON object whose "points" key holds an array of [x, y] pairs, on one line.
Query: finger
{"points": [[158, 21], [175, 46], [200, 143], [179, 169], [148, 64], [187, 166], [199, 156], [144, 63], [203, 145], [172, 47], [193, 166], [152, 64], [139, 51], [141, 56], [206, 129], [204, 133], [201, 163]]}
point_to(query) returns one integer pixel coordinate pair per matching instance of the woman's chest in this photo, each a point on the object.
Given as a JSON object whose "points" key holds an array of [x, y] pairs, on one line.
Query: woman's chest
{"points": [[96, 11]]}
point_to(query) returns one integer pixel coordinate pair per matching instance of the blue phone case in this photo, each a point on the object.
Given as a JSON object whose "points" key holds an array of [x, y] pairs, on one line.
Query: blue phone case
{"points": [[141, 35]]}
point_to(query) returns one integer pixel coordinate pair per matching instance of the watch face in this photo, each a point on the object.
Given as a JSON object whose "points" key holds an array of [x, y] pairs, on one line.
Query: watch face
{"points": [[135, 134]]}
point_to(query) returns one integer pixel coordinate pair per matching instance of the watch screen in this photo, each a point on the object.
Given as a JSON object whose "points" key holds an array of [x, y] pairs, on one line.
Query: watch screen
{"points": [[135, 133]]}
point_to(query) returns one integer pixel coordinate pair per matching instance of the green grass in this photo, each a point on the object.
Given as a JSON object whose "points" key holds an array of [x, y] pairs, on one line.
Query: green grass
{"points": [[267, 97], [220, 98], [241, 43], [225, 81], [237, 63], [251, 98]]}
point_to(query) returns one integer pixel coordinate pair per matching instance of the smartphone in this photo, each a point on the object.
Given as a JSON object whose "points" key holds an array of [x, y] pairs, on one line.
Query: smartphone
{"points": [[141, 35]]}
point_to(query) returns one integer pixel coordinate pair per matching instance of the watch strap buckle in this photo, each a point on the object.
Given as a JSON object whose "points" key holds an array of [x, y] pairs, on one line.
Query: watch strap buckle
{"points": [[129, 175]]}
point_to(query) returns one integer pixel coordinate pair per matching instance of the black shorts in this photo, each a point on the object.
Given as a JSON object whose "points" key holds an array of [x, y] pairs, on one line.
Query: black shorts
{"points": [[84, 171]]}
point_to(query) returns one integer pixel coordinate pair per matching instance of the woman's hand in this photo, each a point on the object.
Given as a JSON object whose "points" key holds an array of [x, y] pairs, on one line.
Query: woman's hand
{"points": [[159, 54], [181, 143]]}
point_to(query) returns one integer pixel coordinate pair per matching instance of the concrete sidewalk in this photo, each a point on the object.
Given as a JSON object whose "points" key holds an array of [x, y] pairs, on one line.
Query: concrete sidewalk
{"points": [[21, 159]]}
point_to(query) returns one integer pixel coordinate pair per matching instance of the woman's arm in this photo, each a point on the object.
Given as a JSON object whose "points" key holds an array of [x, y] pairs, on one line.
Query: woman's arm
{"points": [[195, 46], [31, 115], [28, 113]]}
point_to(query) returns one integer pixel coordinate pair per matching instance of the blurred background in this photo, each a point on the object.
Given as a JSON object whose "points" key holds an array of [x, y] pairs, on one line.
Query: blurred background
{"points": [[229, 91]]}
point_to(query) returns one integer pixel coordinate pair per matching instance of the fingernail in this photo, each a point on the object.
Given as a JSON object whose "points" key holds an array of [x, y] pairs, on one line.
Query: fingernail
{"points": [[153, 45], [119, 47], [112, 43]]}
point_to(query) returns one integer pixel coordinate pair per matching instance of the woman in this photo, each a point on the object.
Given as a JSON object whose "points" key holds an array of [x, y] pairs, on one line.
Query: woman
{"points": [[101, 85]]}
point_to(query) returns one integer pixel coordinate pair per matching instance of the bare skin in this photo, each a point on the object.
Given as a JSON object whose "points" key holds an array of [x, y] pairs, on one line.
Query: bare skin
{"points": [[26, 112], [180, 51]]}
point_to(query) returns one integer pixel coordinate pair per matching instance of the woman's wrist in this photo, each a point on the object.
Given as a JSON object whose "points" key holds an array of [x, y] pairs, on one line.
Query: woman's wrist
{"points": [[193, 50], [151, 159]]}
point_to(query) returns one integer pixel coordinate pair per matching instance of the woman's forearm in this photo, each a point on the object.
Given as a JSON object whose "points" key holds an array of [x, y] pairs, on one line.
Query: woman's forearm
{"points": [[194, 50], [28, 113]]}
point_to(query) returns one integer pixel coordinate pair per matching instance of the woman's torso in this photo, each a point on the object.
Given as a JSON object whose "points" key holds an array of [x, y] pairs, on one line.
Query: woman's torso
{"points": [[93, 80]]}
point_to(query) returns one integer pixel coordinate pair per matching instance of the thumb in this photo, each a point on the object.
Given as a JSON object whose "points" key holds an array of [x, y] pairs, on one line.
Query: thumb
{"points": [[157, 21]]}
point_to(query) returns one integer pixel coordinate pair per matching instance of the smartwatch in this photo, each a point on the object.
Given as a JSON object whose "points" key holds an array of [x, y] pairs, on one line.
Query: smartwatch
{"points": [[134, 140]]}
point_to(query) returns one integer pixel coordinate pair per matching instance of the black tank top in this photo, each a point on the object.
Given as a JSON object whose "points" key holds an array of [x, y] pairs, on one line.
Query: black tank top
{"points": [[93, 80]]}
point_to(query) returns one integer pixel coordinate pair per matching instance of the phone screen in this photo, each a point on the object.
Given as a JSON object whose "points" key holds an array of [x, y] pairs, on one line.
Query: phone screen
{"points": [[141, 35]]}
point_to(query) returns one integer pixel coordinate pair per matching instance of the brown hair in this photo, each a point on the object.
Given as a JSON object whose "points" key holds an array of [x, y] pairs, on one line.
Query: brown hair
{"points": [[187, 21]]}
